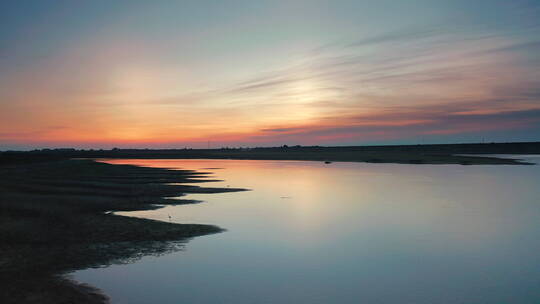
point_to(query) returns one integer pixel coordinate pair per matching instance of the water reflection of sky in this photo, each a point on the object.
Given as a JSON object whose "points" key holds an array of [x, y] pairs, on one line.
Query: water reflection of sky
{"points": [[309, 232]]}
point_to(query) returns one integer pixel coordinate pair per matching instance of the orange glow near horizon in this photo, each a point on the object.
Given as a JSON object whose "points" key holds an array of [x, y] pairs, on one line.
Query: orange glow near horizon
{"points": [[156, 87]]}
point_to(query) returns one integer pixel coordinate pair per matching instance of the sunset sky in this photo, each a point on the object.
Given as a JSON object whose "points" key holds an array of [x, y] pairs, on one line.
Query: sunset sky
{"points": [[101, 74]]}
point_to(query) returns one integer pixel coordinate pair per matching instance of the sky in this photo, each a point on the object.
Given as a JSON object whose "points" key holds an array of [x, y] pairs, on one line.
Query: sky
{"points": [[175, 74]]}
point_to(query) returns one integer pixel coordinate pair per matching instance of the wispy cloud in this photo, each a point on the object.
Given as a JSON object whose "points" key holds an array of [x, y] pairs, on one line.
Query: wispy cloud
{"points": [[443, 77], [402, 125]]}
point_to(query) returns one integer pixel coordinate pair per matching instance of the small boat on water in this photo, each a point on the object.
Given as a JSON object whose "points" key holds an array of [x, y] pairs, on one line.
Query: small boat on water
{"points": [[327, 162]]}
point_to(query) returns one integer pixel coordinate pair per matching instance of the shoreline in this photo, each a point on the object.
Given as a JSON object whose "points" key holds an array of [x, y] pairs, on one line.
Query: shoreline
{"points": [[435, 154], [56, 217], [409, 159]]}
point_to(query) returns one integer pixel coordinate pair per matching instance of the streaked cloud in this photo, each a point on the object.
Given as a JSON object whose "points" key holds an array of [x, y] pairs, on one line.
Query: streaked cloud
{"points": [[345, 73]]}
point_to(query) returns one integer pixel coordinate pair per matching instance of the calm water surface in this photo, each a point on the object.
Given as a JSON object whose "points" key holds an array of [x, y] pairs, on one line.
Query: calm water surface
{"points": [[346, 233]]}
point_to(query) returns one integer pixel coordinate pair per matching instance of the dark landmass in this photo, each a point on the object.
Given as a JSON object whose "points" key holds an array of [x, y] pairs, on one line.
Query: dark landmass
{"points": [[54, 218], [403, 154]]}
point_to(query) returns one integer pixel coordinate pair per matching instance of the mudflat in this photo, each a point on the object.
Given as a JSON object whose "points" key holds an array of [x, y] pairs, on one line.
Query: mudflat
{"points": [[55, 217]]}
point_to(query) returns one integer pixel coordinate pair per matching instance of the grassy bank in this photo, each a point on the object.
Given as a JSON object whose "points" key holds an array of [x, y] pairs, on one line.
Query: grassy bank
{"points": [[52, 221]]}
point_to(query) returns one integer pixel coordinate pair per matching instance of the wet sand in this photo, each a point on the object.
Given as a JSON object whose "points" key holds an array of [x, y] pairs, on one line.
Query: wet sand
{"points": [[55, 217]]}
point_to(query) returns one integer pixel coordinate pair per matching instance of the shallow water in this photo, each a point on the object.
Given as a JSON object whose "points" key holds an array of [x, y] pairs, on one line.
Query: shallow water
{"points": [[310, 232]]}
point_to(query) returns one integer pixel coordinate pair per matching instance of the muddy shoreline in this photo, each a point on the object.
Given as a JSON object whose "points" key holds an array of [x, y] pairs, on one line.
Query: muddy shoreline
{"points": [[54, 219]]}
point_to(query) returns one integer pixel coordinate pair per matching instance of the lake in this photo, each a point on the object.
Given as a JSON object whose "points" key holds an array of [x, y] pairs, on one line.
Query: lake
{"points": [[310, 232]]}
